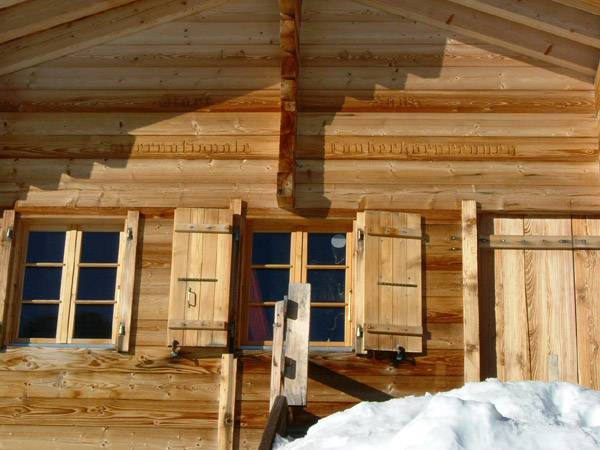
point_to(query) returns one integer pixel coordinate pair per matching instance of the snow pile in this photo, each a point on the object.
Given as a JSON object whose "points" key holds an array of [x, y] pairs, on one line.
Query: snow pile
{"points": [[488, 415]]}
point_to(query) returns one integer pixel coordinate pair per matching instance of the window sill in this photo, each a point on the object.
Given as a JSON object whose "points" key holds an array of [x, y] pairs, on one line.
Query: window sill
{"points": [[340, 349], [70, 346]]}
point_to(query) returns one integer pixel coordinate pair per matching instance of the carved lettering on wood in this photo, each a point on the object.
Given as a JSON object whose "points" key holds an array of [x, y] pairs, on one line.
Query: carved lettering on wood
{"points": [[417, 149], [185, 147]]}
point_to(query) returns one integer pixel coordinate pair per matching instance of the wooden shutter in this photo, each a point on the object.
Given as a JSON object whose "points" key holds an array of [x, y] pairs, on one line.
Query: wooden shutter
{"points": [[6, 255], [201, 276], [387, 283], [126, 282]]}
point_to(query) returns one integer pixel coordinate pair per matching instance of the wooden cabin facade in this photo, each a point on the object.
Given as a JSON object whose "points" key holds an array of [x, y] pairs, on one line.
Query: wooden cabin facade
{"points": [[167, 167]]}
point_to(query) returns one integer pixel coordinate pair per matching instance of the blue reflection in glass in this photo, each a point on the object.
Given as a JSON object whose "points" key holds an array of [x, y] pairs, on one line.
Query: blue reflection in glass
{"points": [[96, 283], [38, 321], [93, 321], [271, 248], [100, 247], [326, 248], [327, 285], [42, 283], [46, 246], [268, 284], [327, 324], [260, 323]]}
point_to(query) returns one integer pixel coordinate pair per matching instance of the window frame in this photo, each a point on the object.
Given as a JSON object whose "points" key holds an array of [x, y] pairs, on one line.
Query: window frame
{"points": [[74, 227], [298, 273]]}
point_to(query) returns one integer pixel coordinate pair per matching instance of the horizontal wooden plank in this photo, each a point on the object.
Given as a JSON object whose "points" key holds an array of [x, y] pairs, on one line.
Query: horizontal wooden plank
{"points": [[434, 196], [393, 330], [459, 124], [447, 148], [140, 147], [410, 233], [120, 173], [453, 173], [174, 55], [197, 325], [455, 101], [113, 78], [430, 78], [62, 384], [146, 360], [189, 124], [185, 32], [100, 412], [132, 100], [203, 228]]}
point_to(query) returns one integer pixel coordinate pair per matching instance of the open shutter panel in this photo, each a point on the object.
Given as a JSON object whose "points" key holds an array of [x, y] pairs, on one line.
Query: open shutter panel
{"points": [[126, 284], [388, 281], [6, 254], [199, 307]]}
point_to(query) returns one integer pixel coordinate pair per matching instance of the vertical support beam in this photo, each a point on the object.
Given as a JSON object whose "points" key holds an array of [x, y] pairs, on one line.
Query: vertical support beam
{"points": [[289, 41], [278, 357], [127, 279], [472, 370], [296, 344], [7, 227], [226, 422]]}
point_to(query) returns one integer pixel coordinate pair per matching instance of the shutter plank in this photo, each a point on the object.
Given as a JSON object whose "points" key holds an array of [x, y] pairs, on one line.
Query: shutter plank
{"points": [[208, 269], [6, 255], [414, 296], [178, 289], [127, 278]]}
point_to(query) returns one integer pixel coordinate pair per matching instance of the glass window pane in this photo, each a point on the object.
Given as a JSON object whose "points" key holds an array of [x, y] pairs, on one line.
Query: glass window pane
{"points": [[271, 248], [327, 324], [99, 247], [93, 322], [46, 246], [96, 283], [327, 285], [38, 321], [326, 248], [268, 284], [260, 325], [42, 283]]}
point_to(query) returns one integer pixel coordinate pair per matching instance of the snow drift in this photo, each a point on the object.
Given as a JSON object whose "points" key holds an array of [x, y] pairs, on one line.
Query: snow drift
{"points": [[489, 415]]}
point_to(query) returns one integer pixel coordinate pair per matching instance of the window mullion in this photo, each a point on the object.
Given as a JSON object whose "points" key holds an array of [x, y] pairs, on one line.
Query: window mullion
{"points": [[68, 305]]}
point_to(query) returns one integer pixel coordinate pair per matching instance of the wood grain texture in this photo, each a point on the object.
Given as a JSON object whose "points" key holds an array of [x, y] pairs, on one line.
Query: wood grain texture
{"points": [[93, 30], [228, 382], [470, 291], [126, 283], [6, 255]]}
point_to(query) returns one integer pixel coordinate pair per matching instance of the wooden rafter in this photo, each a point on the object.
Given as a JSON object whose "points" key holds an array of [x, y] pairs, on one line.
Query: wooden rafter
{"points": [[93, 30], [289, 29], [591, 6], [553, 18], [39, 15], [495, 30]]}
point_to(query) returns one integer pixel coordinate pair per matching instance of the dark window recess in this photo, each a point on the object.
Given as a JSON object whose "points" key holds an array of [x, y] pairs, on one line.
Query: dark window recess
{"points": [[327, 285], [42, 283], [326, 248], [268, 284], [46, 246], [99, 247], [271, 248], [327, 324], [261, 323], [93, 321], [96, 283], [38, 321]]}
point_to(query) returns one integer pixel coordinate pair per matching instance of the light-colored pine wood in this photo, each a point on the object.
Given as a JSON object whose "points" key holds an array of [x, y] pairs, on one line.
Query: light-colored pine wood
{"points": [[278, 351], [551, 305], [7, 237], [587, 304], [127, 279], [227, 395], [296, 344], [470, 291], [494, 30], [390, 288], [97, 29]]}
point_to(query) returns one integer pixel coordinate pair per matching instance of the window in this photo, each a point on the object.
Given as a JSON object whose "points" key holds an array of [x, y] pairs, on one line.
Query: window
{"points": [[277, 257], [68, 283]]}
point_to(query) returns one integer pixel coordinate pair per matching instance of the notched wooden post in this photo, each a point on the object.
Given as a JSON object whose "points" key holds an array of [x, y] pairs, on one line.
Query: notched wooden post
{"points": [[226, 423], [289, 36]]}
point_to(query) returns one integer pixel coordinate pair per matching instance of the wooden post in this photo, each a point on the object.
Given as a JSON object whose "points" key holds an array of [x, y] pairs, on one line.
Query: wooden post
{"points": [[472, 370], [296, 344], [226, 423], [278, 358]]}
